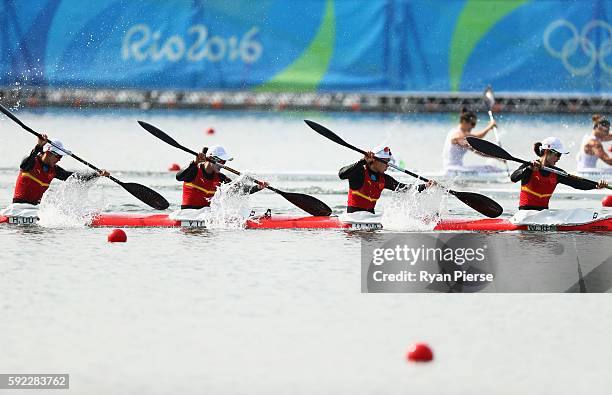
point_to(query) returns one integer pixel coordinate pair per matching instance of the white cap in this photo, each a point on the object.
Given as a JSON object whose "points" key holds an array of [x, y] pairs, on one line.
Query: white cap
{"points": [[58, 151], [218, 152], [553, 143], [382, 152]]}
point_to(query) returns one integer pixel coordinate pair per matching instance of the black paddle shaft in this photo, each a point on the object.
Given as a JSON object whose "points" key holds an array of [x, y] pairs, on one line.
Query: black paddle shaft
{"points": [[307, 203], [488, 148], [478, 202], [141, 192]]}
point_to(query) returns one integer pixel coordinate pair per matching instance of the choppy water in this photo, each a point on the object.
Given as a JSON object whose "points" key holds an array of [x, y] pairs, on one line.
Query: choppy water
{"points": [[239, 311]]}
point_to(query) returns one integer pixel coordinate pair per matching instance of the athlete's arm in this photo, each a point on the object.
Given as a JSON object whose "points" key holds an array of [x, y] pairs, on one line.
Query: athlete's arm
{"points": [[28, 162], [394, 185], [523, 174], [188, 174], [601, 153], [484, 131], [575, 182], [353, 173]]}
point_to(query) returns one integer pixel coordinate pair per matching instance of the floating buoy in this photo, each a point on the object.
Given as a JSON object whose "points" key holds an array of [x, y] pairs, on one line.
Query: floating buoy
{"points": [[210, 131], [419, 352], [117, 236], [607, 201], [174, 167], [356, 107]]}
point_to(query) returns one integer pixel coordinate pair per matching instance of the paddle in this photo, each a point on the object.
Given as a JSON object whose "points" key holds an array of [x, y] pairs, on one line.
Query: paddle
{"points": [[141, 192], [478, 202], [488, 148], [310, 204], [489, 99]]}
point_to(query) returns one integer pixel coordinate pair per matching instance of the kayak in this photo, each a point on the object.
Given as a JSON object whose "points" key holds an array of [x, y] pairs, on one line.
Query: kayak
{"points": [[601, 224], [263, 222]]}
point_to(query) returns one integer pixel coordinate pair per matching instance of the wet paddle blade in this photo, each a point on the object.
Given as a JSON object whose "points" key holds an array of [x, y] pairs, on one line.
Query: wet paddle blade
{"points": [[482, 204], [146, 195], [310, 204], [490, 149], [489, 98]]}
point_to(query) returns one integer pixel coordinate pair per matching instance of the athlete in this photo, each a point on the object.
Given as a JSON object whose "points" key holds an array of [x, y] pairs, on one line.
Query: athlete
{"points": [[203, 176], [40, 167], [456, 145], [537, 184], [591, 148], [367, 179]]}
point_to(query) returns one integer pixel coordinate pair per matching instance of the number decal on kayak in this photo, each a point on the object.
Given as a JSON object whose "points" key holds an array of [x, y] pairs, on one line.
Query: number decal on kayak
{"points": [[22, 220], [542, 228]]}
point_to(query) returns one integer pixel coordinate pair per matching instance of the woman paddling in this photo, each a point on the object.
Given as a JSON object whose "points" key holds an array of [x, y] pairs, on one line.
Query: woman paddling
{"points": [[367, 179], [456, 146], [591, 149], [39, 168], [537, 184], [203, 176]]}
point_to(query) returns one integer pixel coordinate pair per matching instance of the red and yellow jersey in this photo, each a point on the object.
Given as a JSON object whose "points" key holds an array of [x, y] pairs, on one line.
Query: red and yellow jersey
{"points": [[32, 184], [366, 196]]}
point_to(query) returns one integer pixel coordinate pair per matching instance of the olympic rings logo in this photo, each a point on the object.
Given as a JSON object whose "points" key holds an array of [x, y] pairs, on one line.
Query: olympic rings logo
{"points": [[580, 46]]}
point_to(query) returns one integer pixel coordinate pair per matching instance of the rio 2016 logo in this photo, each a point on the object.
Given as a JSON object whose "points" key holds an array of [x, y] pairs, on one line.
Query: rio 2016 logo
{"points": [[141, 44], [579, 53]]}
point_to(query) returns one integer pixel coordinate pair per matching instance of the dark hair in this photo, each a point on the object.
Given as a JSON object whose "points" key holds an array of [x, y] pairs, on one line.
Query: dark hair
{"points": [[537, 148], [599, 119], [467, 116]]}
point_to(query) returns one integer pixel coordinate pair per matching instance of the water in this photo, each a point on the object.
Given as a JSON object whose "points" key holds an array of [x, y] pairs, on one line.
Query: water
{"points": [[244, 311]]}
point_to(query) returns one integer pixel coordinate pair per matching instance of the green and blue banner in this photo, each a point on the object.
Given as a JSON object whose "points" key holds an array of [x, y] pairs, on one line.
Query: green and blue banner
{"points": [[554, 46]]}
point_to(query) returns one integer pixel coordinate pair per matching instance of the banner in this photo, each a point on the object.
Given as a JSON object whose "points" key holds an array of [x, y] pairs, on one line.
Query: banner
{"points": [[555, 46]]}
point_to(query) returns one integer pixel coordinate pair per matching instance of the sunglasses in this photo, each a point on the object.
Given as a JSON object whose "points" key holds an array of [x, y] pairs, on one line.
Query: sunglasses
{"points": [[557, 154], [55, 155]]}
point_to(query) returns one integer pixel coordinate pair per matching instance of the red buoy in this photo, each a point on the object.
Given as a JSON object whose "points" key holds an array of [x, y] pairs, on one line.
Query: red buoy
{"points": [[117, 236], [419, 352], [174, 167], [610, 148], [607, 201], [210, 131]]}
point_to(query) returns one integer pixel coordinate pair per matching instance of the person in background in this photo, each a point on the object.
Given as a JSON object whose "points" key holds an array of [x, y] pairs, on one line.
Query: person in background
{"points": [[591, 148], [456, 145]]}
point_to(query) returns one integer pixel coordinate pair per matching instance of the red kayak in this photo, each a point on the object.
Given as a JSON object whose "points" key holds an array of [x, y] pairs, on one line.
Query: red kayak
{"points": [[286, 222]]}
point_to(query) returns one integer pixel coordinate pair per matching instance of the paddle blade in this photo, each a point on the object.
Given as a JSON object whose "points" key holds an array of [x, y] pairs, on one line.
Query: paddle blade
{"points": [[146, 195], [489, 98], [325, 132], [482, 204], [490, 149], [310, 204]]}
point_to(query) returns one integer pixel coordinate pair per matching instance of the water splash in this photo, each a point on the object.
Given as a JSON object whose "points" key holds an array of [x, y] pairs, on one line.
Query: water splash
{"points": [[68, 204], [230, 206], [413, 211]]}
